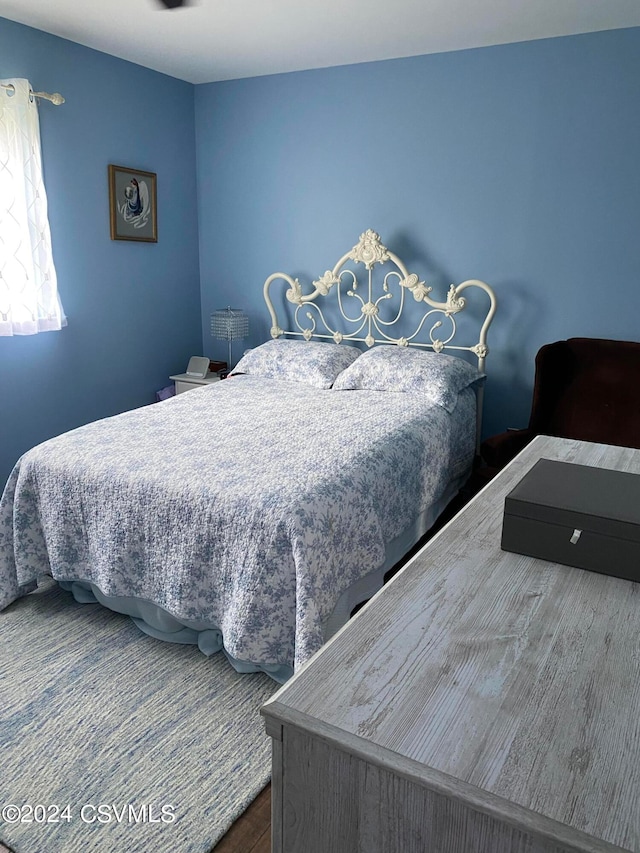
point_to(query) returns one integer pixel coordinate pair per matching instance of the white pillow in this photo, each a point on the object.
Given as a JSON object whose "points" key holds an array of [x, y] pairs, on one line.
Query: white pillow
{"points": [[311, 362], [440, 378]]}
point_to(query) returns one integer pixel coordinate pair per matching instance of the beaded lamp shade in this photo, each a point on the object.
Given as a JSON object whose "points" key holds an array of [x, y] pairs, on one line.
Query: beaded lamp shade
{"points": [[229, 324]]}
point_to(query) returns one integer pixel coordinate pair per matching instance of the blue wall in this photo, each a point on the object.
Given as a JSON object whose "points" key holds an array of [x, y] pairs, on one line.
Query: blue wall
{"points": [[133, 308], [515, 164]]}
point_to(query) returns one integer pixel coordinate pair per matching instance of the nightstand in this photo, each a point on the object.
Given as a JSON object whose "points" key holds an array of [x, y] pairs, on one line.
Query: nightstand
{"points": [[185, 382]]}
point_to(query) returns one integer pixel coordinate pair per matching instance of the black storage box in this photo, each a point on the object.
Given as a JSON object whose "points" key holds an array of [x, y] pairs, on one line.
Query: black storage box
{"points": [[576, 515]]}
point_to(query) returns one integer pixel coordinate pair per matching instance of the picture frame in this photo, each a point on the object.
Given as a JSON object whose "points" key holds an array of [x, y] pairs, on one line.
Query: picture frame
{"points": [[133, 204]]}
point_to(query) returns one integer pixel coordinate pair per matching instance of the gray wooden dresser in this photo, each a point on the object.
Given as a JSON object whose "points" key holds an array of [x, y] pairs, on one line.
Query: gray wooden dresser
{"points": [[482, 702]]}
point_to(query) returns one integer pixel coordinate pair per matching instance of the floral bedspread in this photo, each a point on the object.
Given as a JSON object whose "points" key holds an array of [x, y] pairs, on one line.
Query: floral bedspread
{"points": [[250, 505]]}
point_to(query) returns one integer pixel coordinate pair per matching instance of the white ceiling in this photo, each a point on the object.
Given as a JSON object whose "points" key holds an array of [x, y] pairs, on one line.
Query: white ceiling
{"points": [[212, 40]]}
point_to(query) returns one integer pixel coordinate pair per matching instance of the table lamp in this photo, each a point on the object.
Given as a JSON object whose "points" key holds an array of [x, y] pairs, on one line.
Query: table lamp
{"points": [[229, 324]]}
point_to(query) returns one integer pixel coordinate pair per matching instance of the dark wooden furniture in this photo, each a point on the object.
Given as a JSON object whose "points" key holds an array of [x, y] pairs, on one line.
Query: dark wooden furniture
{"points": [[584, 388]]}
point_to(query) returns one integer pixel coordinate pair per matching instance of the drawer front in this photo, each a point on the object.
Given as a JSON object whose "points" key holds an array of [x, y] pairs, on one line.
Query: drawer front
{"points": [[181, 387]]}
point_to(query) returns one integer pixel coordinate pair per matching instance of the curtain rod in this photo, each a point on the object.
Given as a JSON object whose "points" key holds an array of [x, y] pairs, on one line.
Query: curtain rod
{"points": [[56, 98]]}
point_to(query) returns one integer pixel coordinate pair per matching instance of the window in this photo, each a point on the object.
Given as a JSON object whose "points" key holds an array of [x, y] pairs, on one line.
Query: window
{"points": [[29, 301]]}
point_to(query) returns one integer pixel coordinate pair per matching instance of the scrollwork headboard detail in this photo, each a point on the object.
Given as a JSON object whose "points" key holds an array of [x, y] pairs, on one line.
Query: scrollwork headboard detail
{"points": [[359, 305]]}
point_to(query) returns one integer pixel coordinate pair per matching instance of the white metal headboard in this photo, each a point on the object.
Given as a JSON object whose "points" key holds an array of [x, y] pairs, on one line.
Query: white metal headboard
{"points": [[359, 306]]}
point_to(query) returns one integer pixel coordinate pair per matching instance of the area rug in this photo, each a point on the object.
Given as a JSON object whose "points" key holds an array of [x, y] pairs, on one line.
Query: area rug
{"points": [[111, 740]]}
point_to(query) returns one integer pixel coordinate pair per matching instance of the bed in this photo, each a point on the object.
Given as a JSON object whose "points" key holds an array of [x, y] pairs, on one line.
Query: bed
{"points": [[318, 464]]}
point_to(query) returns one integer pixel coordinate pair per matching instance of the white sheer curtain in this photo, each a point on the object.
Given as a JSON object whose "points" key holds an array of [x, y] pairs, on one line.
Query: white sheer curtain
{"points": [[29, 301]]}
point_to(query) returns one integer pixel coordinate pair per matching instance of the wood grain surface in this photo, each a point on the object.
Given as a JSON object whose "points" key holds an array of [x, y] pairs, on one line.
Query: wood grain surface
{"points": [[511, 683]]}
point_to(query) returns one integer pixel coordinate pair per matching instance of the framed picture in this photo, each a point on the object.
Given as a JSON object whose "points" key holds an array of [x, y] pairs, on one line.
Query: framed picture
{"points": [[132, 204]]}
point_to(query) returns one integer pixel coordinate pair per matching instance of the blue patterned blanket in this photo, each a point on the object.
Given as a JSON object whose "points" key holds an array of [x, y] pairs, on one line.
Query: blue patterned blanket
{"points": [[249, 505]]}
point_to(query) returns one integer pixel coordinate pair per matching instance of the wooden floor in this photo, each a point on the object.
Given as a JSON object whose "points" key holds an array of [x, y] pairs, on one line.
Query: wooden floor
{"points": [[251, 833]]}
